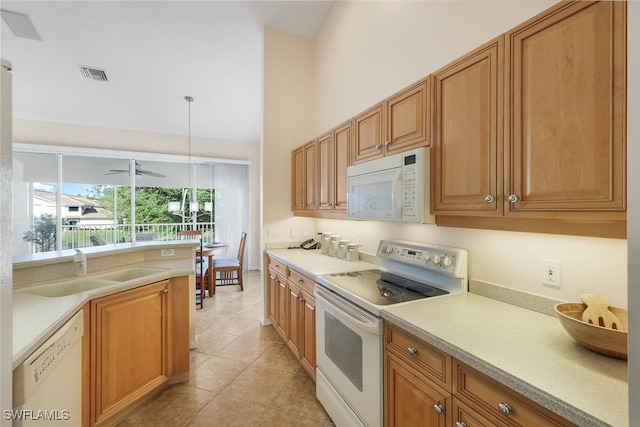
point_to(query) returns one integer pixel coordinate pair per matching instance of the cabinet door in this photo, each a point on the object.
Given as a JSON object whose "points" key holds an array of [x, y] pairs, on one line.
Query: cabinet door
{"points": [[468, 129], [407, 116], [308, 344], [179, 315], [325, 172], [129, 339], [294, 319], [282, 312], [310, 176], [341, 160], [463, 415], [409, 399], [297, 179], [368, 134], [567, 84], [272, 291]]}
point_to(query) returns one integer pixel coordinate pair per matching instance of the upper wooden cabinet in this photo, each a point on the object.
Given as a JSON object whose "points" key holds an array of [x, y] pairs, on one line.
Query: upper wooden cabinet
{"points": [[368, 134], [397, 124], [567, 119], [303, 177], [407, 118], [550, 155], [468, 133]]}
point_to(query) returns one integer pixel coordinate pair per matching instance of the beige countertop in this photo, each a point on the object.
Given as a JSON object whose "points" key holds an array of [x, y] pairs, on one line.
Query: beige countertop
{"points": [[523, 349], [35, 317]]}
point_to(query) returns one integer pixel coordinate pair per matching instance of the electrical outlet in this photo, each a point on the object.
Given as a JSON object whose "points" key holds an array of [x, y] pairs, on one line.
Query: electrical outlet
{"points": [[167, 252], [359, 240], [293, 232], [551, 272], [305, 231]]}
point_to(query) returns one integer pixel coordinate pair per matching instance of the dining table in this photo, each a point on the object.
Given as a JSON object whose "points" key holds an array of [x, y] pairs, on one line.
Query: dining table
{"points": [[209, 250]]}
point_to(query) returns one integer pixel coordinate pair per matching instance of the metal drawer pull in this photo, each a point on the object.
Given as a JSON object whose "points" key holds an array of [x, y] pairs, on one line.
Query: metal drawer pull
{"points": [[438, 408], [461, 424], [378, 146], [505, 408], [165, 291], [412, 350], [513, 198], [489, 198]]}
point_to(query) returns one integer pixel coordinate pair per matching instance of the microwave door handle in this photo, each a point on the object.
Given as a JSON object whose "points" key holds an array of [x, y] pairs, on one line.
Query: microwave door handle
{"points": [[396, 196]]}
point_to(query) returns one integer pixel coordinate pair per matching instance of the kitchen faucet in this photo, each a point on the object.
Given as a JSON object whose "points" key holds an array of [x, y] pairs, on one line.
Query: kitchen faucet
{"points": [[80, 260]]}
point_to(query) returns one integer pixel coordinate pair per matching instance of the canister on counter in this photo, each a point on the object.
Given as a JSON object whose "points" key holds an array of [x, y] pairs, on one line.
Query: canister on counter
{"points": [[333, 246], [326, 242], [353, 252], [342, 249]]}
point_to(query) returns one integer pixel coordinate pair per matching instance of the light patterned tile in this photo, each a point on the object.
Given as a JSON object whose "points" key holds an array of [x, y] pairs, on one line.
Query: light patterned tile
{"points": [[226, 412], [278, 357], [215, 373], [299, 397], [258, 385], [278, 418]]}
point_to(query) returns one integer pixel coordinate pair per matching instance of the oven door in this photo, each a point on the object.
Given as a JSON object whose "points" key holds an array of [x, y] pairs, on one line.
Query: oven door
{"points": [[349, 344]]}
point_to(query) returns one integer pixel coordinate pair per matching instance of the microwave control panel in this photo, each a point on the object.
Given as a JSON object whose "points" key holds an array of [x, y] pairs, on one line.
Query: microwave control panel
{"points": [[412, 186]]}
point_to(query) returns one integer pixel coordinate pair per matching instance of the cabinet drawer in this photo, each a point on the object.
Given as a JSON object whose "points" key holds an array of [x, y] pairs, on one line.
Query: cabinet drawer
{"points": [[301, 280], [278, 267], [431, 362], [489, 397]]}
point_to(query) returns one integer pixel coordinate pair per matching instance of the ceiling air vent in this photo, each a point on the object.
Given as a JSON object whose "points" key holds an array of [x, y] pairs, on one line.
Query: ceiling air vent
{"points": [[93, 73]]}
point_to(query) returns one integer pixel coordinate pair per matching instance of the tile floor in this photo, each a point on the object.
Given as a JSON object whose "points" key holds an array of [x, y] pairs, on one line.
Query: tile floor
{"points": [[242, 373]]}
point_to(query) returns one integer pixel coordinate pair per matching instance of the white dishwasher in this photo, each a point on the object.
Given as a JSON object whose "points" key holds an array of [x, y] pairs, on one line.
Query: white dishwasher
{"points": [[47, 386]]}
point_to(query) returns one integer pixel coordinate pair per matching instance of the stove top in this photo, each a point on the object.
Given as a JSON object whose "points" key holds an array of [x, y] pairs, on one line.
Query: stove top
{"points": [[409, 271]]}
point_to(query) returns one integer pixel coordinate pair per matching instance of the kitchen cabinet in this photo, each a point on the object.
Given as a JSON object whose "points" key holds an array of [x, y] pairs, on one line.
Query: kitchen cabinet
{"points": [[397, 124], [468, 133], [426, 386], [417, 381], [333, 159], [560, 165], [302, 329], [498, 405], [291, 307], [303, 177], [131, 354]]}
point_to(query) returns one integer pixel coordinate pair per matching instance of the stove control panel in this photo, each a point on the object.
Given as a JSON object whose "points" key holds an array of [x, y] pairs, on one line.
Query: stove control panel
{"points": [[443, 259]]}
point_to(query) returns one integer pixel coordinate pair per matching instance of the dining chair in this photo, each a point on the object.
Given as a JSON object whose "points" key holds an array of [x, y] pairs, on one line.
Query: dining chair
{"points": [[228, 271], [200, 277]]}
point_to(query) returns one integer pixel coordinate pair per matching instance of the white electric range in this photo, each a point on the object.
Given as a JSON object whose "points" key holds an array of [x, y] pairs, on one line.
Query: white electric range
{"points": [[349, 329]]}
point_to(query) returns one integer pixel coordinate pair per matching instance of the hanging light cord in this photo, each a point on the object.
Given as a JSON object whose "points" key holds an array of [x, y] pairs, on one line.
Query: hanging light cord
{"points": [[189, 100]]}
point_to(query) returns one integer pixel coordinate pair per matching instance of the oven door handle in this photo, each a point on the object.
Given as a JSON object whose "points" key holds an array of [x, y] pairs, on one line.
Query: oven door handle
{"points": [[373, 327]]}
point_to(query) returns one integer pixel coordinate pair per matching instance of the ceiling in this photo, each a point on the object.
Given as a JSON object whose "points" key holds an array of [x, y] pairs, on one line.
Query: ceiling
{"points": [[154, 53]]}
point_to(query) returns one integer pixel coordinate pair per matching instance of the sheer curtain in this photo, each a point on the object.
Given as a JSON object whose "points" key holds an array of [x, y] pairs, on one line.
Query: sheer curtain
{"points": [[231, 204]]}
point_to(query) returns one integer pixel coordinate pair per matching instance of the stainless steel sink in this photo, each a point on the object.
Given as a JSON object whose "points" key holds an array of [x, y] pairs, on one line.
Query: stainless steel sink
{"points": [[85, 284]]}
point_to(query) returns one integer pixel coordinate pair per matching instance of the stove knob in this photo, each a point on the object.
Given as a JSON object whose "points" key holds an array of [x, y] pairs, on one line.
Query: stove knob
{"points": [[437, 259], [427, 257], [389, 249], [447, 261]]}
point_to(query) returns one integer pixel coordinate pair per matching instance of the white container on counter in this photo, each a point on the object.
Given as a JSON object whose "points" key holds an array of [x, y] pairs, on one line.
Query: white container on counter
{"points": [[353, 252], [326, 242], [342, 249], [333, 246]]}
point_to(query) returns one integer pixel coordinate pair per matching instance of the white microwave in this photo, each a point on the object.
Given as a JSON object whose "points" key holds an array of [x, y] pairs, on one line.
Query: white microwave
{"points": [[392, 188]]}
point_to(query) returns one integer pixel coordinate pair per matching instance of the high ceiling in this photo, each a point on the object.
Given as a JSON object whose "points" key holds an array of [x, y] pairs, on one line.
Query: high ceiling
{"points": [[154, 53]]}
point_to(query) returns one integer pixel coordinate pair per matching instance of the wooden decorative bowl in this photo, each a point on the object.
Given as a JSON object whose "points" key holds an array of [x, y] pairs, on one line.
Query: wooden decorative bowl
{"points": [[610, 342]]}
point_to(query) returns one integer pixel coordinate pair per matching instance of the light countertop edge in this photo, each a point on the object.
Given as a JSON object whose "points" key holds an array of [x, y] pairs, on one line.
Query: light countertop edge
{"points": [[313, 263], [517, 359]]}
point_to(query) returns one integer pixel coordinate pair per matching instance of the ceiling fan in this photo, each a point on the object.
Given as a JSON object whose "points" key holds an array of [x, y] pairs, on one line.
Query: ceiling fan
{"points": [[139, 171]]}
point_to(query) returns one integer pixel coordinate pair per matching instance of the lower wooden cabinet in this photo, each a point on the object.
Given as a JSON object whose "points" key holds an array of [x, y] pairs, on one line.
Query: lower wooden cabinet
{"points": [[139, 339], [291, 307], [427, 387]]}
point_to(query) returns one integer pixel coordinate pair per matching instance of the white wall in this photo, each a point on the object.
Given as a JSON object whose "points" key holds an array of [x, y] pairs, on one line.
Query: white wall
{"points": [[369, 50], [288, 121], [70, 135]]}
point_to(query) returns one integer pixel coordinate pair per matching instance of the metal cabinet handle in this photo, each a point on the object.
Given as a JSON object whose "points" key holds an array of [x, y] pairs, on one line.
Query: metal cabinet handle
{"points": [[165, 291], [461, 424], [378, 146], [514, 198], [438, 408], [412, 350], [387, 143], [489, 198], [505, 408]]}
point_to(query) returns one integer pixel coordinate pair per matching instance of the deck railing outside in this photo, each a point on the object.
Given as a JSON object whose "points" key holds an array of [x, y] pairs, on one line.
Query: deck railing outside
{"points": [[79, 236]]}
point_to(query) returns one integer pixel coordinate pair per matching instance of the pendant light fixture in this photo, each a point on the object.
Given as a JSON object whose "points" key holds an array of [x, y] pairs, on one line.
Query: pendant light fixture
{"points": [[178, 208]]}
